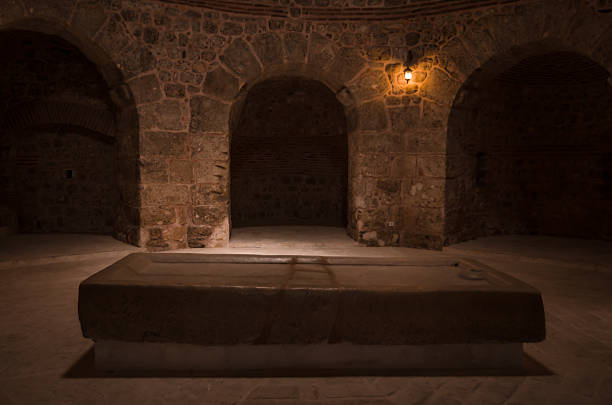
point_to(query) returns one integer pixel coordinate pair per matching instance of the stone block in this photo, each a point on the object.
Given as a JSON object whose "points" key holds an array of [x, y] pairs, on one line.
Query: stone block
{"points": [[180, 171], [424, 192], [165, 194], [371, 84], [11, 10], [221, 84], [459, 61], [347, 63], [405, 118], [239, 58], [430, 221], [157, 215], [440, 87], [209, 147], [295, 48], [174, 90], [165, 115], [209, 215], [209, 194], [321, 52], [154, 171], [431, 166], [208, 115], [89, 16], [372, 116], [56, 9], [269, 48], [167, 144], [113, 37], [136, 59], [199, 236], [230, 301], [146, 89], [207, 171]]}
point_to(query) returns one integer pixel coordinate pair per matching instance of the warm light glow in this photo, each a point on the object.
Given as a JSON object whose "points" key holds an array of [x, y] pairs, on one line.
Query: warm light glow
{"points": [[407, 74]]}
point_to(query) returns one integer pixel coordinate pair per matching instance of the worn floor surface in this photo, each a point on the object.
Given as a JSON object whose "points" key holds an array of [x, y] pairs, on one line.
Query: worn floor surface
{"points": [[44, 359]]}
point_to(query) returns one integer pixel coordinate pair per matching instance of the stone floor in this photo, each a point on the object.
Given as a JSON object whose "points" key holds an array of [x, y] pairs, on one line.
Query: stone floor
{"points": [[44, 359]]}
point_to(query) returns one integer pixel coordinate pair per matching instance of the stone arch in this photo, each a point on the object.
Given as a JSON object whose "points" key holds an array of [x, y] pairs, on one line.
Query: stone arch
{"points": [[243, 65], [50, 20], [468, 211], [306, 179]]}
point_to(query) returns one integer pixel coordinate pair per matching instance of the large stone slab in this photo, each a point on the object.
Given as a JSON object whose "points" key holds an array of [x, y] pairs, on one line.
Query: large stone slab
{"points": [[223, 300]]}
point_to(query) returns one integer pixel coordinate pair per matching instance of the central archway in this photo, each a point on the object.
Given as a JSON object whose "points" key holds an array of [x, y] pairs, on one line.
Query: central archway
{"points": [[289, 156]]}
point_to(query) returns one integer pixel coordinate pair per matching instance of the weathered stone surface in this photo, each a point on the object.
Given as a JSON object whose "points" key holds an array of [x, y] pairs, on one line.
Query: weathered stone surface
{"points": [[113, 37], [221, 83], [405, 304], [174, 90], [395, 74], [89, 17], [458, 60], [210, 172], [440, 87], [170, 144], [180, 171], [158, 215], [166, 115], [371, 84], [412, 38], [295, 47], [154, 171], [208, 115], [166, 194], [199, 236], [207, 215], [269, 48], [321, 52], [11, 10], [146, 89], [379, 53], [372, 116], [135, 60], [431, 166], [209, 147], [157, 240], [347, 64], [60, 9], [209, 194], [240, 60], [404, 118]]}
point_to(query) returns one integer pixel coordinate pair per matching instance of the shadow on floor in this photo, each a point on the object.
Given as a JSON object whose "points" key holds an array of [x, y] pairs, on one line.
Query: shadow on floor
{"points": [[85, 368]]}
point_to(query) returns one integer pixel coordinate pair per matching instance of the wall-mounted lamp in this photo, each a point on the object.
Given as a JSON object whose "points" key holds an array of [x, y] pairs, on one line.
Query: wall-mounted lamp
{"points": [[408, 71]]}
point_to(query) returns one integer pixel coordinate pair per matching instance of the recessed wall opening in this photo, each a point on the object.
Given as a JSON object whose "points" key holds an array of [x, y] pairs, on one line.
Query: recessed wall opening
{"points": [[289, 156], [528, 150], [57, 146]]}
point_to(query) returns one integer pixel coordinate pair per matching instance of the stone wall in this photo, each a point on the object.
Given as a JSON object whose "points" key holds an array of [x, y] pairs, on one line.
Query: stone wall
{"points": [[289, 156], [530, 152], [57, 161], [185, 66]]}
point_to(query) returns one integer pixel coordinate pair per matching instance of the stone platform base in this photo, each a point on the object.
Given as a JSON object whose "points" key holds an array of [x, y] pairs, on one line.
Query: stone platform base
{"points": [[129, 356]]}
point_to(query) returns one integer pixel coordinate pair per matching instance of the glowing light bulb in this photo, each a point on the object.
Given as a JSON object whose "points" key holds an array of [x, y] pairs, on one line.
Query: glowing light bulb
{"points": [[407, 74]]}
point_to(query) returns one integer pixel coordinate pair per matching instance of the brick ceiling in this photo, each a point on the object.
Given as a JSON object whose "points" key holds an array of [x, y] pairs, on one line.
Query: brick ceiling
{"points": [[342, 9], [558, 68]]}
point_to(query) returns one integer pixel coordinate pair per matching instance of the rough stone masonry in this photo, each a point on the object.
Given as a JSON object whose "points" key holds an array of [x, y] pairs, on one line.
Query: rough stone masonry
{"points": [[177, 74]]}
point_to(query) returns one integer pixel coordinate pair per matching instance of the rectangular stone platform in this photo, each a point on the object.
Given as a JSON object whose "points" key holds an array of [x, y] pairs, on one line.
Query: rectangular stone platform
{"points": [[245, 312]]}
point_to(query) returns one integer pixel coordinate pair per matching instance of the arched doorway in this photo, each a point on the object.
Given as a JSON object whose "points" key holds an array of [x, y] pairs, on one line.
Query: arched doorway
{"points": [[61, 147], [530, 149], [289, 158]]}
